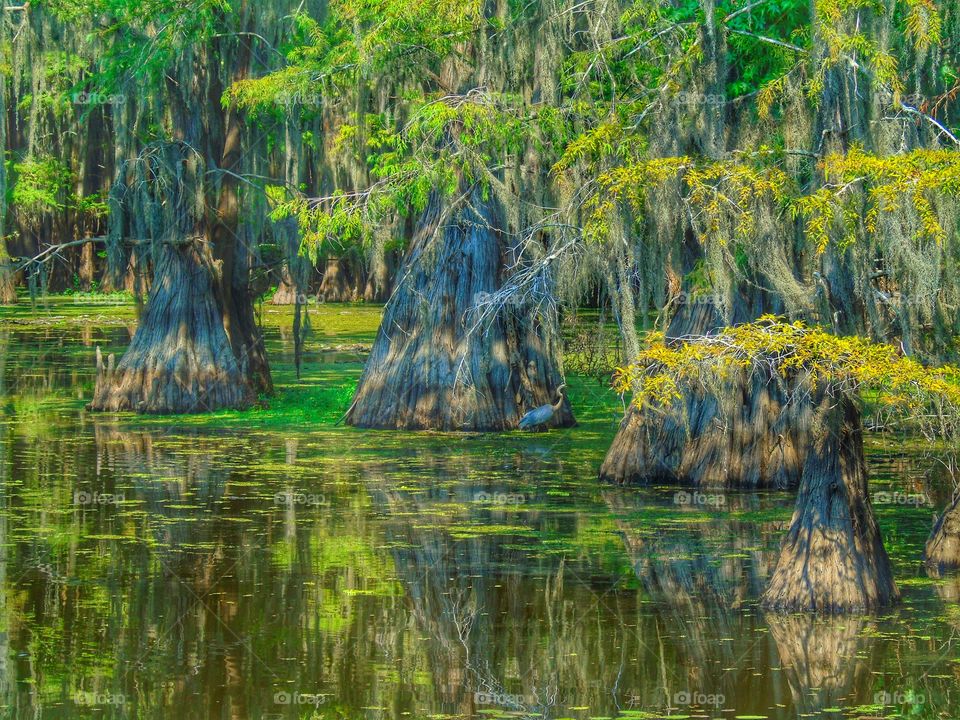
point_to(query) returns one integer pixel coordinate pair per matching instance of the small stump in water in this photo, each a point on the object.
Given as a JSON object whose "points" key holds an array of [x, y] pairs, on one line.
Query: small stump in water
{"points": [[741, 435], [832, 559]]}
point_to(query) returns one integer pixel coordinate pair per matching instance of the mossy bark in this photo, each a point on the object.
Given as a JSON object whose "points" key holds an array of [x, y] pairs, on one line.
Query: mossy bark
{"points": [[832, 559], [180, 359], [435, 364], [748, 436], [942, 551]]}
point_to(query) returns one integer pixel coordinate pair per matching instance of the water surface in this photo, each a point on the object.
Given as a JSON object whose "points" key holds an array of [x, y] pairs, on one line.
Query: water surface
{"points": [[274, 565]]}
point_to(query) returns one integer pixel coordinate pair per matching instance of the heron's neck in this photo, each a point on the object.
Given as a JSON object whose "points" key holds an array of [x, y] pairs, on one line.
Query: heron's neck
{"points": [[559, 402]]}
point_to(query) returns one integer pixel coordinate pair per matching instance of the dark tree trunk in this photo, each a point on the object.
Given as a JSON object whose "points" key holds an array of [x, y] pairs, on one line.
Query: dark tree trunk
{"points": [[87, 266], [135, 279], [832, 559], [236, 247], [240, 321], [380, 278], [942, 552], [434, 365], [180, 360], [747, 438], [8, 276], [339, 282], [286, 293]]}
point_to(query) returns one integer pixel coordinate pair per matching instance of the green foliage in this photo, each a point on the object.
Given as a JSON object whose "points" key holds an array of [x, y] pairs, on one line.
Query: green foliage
{"points": [[357, 42], [448, 143], [41, 186], [139, 40]]}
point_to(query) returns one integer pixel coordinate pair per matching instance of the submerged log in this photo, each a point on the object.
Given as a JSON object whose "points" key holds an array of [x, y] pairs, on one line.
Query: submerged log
{"points": [[180, 359], [832, 559], [434, 364]]}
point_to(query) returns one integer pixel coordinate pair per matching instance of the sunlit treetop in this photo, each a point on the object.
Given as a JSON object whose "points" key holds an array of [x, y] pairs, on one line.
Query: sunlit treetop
{"points": [[805, 360], [360, 41], [449, 143]]}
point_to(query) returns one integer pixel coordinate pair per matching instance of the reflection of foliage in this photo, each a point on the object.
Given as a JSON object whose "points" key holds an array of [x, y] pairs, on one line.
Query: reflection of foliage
{"points": [[591, 349]]}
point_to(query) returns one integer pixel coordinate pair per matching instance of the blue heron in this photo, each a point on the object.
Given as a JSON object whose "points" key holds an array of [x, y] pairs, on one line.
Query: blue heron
{"points": [[543, 414]]}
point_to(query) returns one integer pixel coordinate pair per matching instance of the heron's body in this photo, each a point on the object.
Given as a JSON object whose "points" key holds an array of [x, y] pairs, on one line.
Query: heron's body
{"points": [[543, 414]]}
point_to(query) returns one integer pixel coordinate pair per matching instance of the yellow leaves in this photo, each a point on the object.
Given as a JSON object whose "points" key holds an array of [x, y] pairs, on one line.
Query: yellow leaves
{"points": [[902, 183], [923, 23], [599, 143], [768, 95], [801, 356]]}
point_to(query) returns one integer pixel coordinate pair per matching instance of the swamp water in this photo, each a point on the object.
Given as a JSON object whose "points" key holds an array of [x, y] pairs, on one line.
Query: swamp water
{"points": [[270, 564]]}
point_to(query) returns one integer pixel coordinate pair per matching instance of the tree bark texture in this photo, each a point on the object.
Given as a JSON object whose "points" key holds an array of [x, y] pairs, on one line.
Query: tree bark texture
{"points": [[942, 552], [180, 359], [753, 440], [832, 559], [434, 364]]}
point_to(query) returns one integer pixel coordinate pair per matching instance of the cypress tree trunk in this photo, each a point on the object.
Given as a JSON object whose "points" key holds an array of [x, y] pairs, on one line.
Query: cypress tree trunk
{"points": [[8, 276], [8, 288], [748, 437], [339, 282], [180, 360], [942, 552], [286, 293], [87, 266], [432, 366], [832, 559]]}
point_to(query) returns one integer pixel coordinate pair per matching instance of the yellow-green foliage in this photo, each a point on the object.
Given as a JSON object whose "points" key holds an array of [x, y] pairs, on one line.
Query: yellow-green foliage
{"points": [[895, 183], [358, 42], [804, 358], [721, 191], [845, 31]]}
